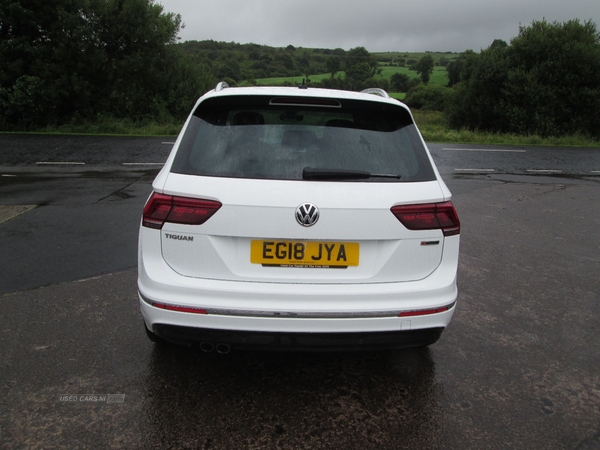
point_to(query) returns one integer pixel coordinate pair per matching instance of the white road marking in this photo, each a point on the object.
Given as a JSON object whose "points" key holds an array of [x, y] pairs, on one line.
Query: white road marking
{"points": [[169, 143], [500, 150], [143, 164], [543, 171], [474, 170], [8, 212], [595, 171], [60, 163]]}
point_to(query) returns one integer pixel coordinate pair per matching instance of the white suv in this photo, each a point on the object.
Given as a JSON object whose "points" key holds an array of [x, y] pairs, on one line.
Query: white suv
{"points": [[298, 218]]}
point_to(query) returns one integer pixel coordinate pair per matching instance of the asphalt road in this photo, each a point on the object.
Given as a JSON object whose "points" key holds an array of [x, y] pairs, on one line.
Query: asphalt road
{"points": [[518, 366]]}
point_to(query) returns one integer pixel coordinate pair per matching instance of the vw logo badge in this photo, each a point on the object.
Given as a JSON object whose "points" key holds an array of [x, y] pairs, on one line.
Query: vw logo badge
{"points": [[307, 214]]}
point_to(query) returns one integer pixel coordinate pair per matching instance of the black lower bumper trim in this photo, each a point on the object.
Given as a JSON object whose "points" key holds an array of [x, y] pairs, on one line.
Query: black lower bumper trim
{"points": [[299, 341]]}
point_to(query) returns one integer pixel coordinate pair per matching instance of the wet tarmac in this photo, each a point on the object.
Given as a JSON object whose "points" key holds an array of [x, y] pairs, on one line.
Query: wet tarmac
{"points": [[518, 366]]}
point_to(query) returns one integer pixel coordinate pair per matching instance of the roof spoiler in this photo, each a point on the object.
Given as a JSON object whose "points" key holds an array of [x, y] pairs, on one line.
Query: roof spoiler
{"points": [[375, 91]]}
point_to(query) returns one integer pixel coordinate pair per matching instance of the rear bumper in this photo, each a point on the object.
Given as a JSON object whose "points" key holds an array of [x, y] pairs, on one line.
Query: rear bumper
{"points": [[296, 333], [297, 316], [253, 340]]}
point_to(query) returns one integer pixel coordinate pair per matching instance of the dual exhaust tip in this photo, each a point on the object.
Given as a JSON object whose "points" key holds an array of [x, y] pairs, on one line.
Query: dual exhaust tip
{"points": [[208, 347]]}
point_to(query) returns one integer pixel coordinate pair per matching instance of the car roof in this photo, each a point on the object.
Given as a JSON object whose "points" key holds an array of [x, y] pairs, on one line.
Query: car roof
{"points": [[374, 95]]}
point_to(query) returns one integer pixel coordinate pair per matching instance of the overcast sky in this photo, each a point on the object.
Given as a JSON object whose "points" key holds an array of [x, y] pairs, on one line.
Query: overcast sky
{"points": [[377, 25]]}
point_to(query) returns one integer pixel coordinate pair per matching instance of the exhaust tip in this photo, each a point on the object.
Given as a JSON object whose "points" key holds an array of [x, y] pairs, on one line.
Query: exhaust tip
{"points": [[223, 349], [207, 347]]}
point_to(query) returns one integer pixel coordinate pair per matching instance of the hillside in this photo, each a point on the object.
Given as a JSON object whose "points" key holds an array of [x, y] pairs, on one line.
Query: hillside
{"points": [[243, 64]]}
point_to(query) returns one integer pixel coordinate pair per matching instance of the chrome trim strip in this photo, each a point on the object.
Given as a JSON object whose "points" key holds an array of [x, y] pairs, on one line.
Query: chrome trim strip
{"points": [[302, 315]]}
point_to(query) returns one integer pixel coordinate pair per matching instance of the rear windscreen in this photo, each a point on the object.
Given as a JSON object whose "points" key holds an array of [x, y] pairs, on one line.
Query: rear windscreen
{"points": [[271, 138]]}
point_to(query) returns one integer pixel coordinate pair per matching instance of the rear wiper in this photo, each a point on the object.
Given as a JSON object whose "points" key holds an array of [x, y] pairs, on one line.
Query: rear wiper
{"points": [[310, 173]]}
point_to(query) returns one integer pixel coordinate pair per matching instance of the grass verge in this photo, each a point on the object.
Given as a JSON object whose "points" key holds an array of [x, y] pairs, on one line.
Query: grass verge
{"points": [[433, 126], [117, 127]]}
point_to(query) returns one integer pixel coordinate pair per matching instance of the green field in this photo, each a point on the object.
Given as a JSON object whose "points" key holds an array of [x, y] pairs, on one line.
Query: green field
{"points": [[387, 65], [280, 81], [439, 77]]}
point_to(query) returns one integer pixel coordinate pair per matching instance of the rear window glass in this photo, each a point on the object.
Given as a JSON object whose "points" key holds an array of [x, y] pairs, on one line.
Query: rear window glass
{"points": [[265, 138]]}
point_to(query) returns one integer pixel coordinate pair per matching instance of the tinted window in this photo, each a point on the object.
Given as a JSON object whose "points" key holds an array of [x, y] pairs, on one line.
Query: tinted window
{"points": [[248, 137]]}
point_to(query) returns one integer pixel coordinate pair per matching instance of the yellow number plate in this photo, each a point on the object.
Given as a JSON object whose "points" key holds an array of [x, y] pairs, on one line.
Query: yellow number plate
{"points": [[304, 254]]}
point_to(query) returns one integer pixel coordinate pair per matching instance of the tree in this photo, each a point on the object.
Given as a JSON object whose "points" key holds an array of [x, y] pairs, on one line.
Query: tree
{"points": [[29, 35], [478, 98], [132, 36], [358, 73], [499, 44], [454, 69], [547, 82], [399, 82], [360, 66], [334, 63], [424, 68], [182, 83], [230, 69], [76, 59], [357, 56], [555, 72]]}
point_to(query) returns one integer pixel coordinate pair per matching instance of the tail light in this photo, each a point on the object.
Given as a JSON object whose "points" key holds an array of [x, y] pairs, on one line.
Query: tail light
{"points": [[429, 216], [185, 309], [425, 312], [162, 208]]}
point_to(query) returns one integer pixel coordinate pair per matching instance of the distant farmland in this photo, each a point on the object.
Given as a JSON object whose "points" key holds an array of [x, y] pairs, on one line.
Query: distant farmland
{"points": [[439, 77]]}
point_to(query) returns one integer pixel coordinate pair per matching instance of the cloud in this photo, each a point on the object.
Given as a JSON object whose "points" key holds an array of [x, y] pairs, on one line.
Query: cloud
{"points": [[378, 25]]}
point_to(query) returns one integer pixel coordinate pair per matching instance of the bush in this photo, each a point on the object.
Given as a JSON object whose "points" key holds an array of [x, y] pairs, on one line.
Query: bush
{"points": [[546, 82], [434, 98], [399, 82]]}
